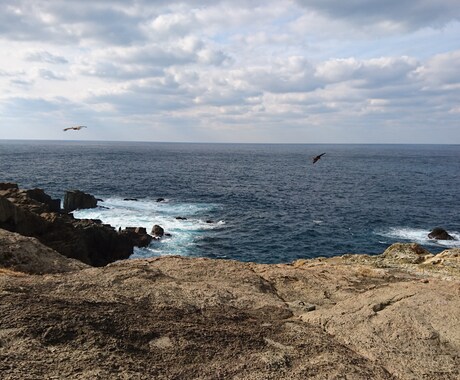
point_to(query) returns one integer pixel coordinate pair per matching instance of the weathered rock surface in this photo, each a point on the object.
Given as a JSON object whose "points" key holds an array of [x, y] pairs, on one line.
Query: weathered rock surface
{"points": [[28, 255], [350, 317], [30, 213]]}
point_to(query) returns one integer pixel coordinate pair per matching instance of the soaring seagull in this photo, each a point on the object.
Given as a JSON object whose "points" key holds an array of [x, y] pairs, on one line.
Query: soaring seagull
{"points": [[77, 128], [318, 157]]}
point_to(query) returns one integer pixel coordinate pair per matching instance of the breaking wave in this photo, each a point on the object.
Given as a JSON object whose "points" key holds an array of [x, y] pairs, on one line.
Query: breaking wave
{"points": [[184, 223], [420, 236]]}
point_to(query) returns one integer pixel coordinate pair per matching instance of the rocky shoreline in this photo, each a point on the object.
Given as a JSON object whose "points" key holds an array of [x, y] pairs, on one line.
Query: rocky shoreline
{"points": [[34, 213], [67, 315]]}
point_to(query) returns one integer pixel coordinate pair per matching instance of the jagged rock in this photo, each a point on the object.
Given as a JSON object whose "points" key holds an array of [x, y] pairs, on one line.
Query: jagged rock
{"points": [[86, 240], [138, 235], [54, 205], [157, 231], [76, 199], [439, 233]]}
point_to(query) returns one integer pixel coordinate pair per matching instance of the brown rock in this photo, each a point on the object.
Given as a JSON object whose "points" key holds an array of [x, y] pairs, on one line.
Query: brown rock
{"points": [[28, 255], [179, 318], [408, 253]]}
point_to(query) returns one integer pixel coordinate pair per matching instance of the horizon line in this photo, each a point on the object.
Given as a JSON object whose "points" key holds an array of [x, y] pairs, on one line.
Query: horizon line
{"points": [[226, 142]]}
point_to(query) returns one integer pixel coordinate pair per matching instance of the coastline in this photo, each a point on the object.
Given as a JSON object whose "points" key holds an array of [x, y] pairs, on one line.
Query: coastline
{"points": [[390, 316]]}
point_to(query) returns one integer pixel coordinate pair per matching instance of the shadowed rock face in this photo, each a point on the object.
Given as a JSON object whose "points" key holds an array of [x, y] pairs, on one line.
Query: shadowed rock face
{"points": [[375, 317], [76, 199], [28, 255]]}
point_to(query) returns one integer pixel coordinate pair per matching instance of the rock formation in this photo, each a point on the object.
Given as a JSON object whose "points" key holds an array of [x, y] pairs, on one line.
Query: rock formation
{"points": [[76, 199], [157, 231], [391, 316], [31, 213], [28, 255], [439, 233]]}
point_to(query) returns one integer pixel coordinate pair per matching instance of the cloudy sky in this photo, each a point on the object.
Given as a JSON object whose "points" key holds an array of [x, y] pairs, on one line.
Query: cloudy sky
{"points": [[301, 71]]}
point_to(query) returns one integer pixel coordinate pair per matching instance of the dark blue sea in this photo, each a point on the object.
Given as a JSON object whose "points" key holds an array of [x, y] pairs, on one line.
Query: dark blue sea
{"points": [[254, 202]]}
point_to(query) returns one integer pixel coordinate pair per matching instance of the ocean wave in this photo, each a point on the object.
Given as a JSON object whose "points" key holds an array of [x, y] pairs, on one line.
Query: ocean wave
{"points": [[420, 236], [184, 223]]}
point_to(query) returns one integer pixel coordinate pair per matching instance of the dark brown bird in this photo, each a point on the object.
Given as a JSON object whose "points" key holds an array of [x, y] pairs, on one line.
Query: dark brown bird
{"points": [[318, 157], [77, 128]]}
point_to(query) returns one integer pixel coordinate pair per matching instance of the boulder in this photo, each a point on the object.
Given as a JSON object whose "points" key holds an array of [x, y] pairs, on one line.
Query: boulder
{"points": [[76, 199], [157, 231], [439, 233]]}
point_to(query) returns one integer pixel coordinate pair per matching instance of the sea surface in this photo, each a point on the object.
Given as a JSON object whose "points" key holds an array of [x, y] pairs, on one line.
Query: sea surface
{"points": [[265, 203]]}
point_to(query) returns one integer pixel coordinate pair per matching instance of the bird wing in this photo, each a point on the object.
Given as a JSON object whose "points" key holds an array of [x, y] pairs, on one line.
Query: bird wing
{"points": [[66, 129], [318, 157]]}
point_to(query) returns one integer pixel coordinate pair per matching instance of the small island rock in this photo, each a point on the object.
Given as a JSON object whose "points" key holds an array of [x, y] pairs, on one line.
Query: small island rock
{"points": [[439, 233]]}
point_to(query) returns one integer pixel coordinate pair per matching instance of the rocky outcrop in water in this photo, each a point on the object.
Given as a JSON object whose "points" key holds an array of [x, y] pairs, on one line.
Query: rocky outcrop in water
{"points": [[33, 213], [157, 231], [78, 200], [385, 317], [439, 233]]}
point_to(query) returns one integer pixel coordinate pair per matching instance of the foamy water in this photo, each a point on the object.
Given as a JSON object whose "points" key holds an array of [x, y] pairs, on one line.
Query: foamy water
{"points": [[194, 225], [420, 236]]}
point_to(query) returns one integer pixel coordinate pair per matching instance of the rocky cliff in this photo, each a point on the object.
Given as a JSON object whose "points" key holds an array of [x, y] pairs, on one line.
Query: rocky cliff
{"points": [[34, 213], [392, 316]]}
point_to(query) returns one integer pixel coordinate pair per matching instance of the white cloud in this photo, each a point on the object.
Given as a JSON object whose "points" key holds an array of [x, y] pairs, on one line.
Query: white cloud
{"points": [[228, 67]]}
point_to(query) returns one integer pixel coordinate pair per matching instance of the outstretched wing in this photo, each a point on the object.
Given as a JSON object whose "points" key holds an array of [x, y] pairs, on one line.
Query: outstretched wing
{"points": [[318, 157], [77, 128]]}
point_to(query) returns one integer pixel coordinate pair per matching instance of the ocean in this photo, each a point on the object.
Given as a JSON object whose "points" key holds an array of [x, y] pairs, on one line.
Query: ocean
{"points": [[265, 203]]}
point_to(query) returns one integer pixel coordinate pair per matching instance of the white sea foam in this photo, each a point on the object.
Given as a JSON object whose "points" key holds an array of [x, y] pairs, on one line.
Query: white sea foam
{"points": [[420, 236], [146, 213]]}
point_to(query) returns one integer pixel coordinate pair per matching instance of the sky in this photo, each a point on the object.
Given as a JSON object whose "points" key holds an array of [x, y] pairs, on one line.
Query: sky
{"points": [[271, 71]]}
